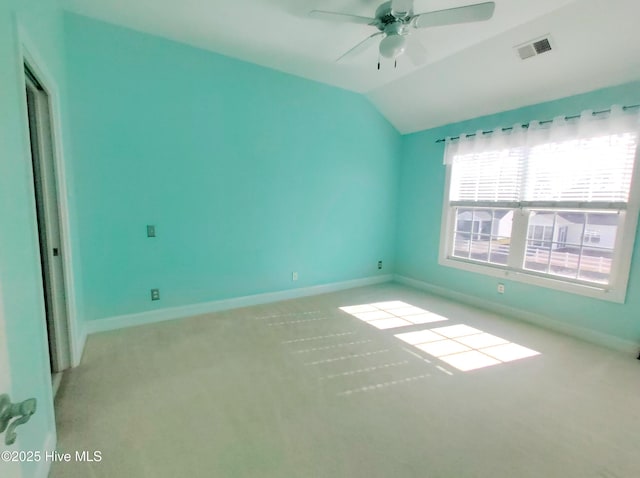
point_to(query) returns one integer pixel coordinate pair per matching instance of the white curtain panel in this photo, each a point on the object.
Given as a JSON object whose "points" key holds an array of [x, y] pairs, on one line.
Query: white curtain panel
{"points": [[587, 125], [589, 158]]}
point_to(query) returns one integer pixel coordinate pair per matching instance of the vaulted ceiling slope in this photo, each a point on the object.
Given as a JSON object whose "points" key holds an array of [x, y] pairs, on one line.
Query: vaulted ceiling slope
{"points": [[470, 69]]}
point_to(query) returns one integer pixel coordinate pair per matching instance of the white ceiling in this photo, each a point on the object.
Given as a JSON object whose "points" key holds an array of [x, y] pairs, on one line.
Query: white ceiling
{"points": [[471, 69]]}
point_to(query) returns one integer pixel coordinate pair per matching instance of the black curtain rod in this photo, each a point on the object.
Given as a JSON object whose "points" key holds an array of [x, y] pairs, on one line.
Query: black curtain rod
{"points": [[526, 125]]}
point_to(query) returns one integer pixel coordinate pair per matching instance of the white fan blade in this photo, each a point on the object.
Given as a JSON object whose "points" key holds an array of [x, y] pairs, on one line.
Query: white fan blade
{"points": [[450, 16], [401, 8], [415, 51], [341, 17], [362, 46]]}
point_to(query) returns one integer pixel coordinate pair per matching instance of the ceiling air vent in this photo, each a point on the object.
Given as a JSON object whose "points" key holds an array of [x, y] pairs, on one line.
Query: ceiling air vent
{"points": [[534, 48]]}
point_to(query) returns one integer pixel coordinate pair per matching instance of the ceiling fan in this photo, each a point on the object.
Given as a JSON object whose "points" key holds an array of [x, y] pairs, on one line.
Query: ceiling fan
{"points": [[395, 21]]}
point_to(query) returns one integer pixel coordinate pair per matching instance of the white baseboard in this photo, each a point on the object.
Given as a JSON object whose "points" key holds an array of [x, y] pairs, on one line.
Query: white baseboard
{"points": [[44, 466], [130, 320], [588, 335]]}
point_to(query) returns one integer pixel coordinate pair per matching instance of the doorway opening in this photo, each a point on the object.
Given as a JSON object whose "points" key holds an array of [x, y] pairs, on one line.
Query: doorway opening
{"points": [[48, 221]]}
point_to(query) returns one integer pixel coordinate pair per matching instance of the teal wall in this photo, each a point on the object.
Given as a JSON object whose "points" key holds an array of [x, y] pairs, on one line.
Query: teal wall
{"points": [[421, 193], [21, 303], [247, 173]]}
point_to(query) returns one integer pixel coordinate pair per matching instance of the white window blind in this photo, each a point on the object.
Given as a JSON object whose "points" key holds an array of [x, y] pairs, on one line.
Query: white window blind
{"points": [[493, 176], [564, 162], [596, 169]]}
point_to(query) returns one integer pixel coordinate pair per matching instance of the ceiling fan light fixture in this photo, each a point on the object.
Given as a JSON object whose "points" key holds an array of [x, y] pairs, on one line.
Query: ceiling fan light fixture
{"points": [[395, 20], [392, 46]]}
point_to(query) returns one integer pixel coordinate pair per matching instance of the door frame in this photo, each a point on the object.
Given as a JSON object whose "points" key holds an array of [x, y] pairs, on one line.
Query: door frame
{"points": [[71, 343], [49, 231]]}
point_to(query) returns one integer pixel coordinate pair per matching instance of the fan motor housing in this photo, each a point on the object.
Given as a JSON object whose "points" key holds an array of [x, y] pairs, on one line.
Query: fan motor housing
{"points": [[385, 17]]}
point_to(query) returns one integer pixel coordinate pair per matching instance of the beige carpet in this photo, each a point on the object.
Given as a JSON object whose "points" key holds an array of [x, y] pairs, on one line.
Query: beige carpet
{"points": [[304, 389]]}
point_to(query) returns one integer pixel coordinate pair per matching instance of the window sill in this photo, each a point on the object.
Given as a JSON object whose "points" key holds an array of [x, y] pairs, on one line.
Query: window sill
{"points": [[593, 291]]}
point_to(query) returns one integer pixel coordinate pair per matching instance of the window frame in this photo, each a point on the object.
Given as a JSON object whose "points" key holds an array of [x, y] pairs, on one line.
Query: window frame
{"points": [[615, 291]]}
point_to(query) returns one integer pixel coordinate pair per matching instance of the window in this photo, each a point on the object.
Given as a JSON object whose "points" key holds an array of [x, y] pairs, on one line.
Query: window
{"points": [[483, 234], [550, 205], [571, 254]]}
